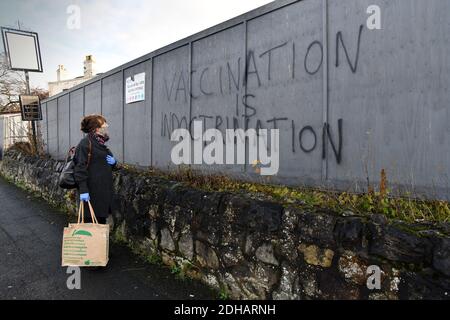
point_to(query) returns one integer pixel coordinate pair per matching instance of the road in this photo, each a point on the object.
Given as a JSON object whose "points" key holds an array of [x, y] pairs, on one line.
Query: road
{"points": [[30, 260]]}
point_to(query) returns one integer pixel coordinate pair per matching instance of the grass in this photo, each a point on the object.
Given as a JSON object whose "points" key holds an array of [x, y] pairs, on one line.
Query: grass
{"points": [[154, 258], [223, 293], [176, 270], [404, 208]]}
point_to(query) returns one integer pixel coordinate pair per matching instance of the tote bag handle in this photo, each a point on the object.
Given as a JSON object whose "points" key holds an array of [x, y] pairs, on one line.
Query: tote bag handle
{"points": [[81, 213]]}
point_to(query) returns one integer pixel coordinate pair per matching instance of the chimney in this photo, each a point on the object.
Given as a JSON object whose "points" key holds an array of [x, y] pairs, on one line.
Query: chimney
{"points": [[61, 73], [89, 66]]}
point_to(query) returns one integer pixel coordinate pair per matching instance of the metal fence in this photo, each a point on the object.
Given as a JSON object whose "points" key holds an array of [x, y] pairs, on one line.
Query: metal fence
{"points": [[13, 130], [349, 101]]}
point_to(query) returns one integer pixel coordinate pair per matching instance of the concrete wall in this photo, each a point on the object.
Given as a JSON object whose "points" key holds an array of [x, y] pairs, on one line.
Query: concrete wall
{"points": [[112, 109], [302, 67], [44, 126]]}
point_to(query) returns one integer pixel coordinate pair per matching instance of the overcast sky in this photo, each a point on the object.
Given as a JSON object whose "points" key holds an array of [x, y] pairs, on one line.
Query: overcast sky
{"points": [[114, 31]]}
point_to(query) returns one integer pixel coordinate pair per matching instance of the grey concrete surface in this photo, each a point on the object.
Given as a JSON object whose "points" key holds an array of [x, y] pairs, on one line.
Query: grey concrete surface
{"points": [[295, 65]]}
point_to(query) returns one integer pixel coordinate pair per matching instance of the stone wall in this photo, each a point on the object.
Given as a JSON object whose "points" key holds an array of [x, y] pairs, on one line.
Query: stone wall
{"points": [[250, 248]]}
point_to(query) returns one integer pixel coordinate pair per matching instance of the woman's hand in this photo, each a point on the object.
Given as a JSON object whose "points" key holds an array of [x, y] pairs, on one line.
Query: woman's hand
{"points": [[84, 197], [110, 160]]}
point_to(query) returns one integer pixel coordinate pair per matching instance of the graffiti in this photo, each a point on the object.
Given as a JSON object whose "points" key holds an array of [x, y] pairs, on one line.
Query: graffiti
{"points": [[304, 138], [340, 39], [300, 136], [269, 54], [232, 76], [172, 121], [336, 89], [308, 69], [202, 90], [246, 83], [327, 133]]}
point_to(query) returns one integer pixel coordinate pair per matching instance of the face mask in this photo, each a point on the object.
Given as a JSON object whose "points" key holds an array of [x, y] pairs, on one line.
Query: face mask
{"points": [[103, 131]]}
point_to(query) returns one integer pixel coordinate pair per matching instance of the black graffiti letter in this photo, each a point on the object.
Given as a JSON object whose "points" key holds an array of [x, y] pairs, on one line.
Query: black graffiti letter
{"points": [[300, 136], [201, 83], [269, 64], [169, 92], [246, 108], [321, 58], [181, 88], [326, 133], [251, 57], [192, 85], [293, 135], [237, 83], [340, 39]]}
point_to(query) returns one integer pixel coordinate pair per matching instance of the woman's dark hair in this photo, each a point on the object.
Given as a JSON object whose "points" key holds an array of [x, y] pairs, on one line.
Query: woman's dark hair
{"points": [[92, 122]]}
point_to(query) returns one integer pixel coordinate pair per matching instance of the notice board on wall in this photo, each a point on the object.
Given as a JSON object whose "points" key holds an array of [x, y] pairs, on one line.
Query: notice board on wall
{"points": [[135, 88]]}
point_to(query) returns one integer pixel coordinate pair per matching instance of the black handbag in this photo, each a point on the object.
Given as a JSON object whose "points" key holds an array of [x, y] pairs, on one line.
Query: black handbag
{"points": [[67, 177]]}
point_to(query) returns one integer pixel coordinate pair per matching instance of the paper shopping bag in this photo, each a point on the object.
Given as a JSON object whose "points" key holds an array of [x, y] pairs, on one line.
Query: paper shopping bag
{"points": [[85, 244]]}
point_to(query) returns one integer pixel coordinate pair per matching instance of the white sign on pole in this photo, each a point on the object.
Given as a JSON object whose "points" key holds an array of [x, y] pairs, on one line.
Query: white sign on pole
{"points": [[135, 88], [22, 49]]}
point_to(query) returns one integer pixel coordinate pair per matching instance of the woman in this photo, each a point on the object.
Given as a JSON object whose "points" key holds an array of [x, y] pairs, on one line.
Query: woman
{"points": [[94, 164]]}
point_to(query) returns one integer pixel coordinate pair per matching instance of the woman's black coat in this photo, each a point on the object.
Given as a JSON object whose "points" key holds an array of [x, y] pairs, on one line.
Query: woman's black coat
{"points": [[95, 179]]}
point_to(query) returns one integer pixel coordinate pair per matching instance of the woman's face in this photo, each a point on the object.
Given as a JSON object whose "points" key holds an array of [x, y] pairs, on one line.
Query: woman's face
{"points": [[103, 130]]}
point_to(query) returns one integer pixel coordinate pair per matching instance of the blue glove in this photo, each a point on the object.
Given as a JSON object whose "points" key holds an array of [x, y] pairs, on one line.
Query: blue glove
{"points": [[84, 197], [110, 160]]}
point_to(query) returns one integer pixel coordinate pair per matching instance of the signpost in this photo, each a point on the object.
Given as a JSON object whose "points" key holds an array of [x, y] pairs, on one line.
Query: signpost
{"points": [[30, 108], [24, 54]]}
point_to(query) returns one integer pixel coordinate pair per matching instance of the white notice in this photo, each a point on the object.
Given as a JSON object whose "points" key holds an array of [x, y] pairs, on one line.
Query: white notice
{"points": [[135, 88]]}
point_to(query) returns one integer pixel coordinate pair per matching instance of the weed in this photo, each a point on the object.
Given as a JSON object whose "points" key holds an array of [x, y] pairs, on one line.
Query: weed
{"points": [[404, 208]]}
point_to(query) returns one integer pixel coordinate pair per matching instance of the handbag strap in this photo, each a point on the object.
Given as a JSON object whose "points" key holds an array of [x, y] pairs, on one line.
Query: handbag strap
{"points": [[89, 153], [69, 153]]}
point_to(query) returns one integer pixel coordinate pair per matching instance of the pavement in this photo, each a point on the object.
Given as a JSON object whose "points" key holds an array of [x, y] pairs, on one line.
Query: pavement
{"points": [[30, 260]]}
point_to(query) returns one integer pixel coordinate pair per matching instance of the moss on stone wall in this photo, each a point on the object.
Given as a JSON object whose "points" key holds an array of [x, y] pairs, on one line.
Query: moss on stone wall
{"points": [[404, 208]]}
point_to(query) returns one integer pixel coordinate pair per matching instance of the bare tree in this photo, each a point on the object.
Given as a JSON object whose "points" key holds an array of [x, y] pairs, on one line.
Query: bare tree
{"points": [[13, 84]]}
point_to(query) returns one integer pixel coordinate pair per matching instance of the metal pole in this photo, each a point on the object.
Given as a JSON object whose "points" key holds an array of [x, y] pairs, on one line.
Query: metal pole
{"points": [[33, 125]]}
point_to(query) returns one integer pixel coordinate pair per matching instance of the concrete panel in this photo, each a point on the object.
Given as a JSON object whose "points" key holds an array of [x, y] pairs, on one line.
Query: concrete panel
{"points": [[63, 126], [52, 118], [44, 127], [92, 101], [285, 86], [76, 115], [395, 102], [218, 64], [170, 101], [137, 121], [112, 110]]}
